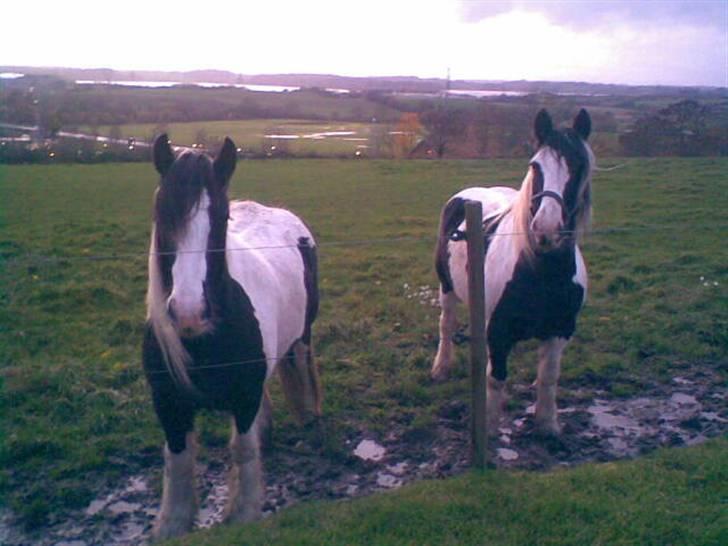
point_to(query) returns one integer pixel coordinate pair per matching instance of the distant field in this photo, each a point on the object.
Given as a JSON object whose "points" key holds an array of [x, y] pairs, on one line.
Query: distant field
{"points": [[300, 137], [76, 411]]}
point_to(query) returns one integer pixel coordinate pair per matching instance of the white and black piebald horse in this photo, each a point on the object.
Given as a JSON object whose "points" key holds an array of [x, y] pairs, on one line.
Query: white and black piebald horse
{"points": [[232, 296], [535, 277]]}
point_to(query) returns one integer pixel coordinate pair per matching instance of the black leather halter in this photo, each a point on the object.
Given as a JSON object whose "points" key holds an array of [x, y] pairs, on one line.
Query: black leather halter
{"points": [[556, 197]]}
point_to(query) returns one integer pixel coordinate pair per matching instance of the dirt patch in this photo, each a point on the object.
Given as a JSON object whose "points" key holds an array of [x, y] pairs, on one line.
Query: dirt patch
{"points": [[595, 428]]}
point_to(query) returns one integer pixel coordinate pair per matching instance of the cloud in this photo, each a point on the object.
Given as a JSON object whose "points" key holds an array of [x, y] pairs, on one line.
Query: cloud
{"points": [[597, 13]]}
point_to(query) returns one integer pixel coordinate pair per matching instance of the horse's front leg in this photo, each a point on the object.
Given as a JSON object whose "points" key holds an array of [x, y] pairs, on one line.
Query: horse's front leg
{"points": [[245, 481], [549, 369], [448, 324], [495, 401], [179, 496]]}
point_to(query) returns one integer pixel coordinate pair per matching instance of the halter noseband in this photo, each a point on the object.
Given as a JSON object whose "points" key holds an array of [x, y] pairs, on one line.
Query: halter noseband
{"points": [[553, 195]]}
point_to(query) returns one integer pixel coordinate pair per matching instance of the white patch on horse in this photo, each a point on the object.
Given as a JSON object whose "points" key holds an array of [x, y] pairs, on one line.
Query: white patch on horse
{"points": [[187, 299], [263, 257], [548, 218], [496, 201], [580, 277]]}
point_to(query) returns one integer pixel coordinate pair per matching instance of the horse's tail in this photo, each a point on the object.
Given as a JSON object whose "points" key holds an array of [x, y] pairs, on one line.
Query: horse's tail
{"points": [[309, 256], [453, 214]]}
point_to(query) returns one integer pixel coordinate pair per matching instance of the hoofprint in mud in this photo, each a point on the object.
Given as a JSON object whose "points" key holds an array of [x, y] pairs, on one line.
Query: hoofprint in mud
{"points": [[597, 427]]}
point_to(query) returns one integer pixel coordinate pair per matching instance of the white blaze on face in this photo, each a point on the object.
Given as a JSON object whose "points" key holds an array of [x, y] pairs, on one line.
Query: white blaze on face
{"points": [[189, 270], [548, 218]]}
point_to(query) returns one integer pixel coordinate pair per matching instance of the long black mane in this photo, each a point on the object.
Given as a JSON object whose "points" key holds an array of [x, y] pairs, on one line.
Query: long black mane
{"points": [[179, 191]]}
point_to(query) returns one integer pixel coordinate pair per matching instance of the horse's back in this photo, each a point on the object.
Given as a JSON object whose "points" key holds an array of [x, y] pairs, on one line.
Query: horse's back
{"points": [[264, 256], [495, 199], [254, 224]]}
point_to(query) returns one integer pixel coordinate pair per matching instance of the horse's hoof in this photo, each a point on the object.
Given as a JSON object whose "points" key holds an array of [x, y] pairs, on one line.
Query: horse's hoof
{"points": [[492, 426], [170, 529], [315, 432], [242, 516], [548, 428], [439, 374]]}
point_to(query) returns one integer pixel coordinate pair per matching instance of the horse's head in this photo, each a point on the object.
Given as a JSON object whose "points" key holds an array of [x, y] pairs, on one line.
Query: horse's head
{"points": [[558, 205], [190, 222]]}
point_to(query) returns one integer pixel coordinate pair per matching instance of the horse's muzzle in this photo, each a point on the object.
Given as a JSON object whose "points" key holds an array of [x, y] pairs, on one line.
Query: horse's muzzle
{"points": [[189, 325], [549, 242]]}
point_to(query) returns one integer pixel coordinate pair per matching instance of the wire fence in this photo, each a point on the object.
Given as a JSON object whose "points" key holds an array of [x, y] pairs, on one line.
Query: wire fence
{"points": [[30, 259], [35, 259]]}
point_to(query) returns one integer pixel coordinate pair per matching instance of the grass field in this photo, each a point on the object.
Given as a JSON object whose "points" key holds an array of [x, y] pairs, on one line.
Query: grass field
{"points": [[76, 412], [299, 137]]}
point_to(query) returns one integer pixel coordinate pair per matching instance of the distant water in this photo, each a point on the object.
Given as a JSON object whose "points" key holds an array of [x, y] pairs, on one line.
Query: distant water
{"points": [[153, 84], [284, 88], [485, 93]]}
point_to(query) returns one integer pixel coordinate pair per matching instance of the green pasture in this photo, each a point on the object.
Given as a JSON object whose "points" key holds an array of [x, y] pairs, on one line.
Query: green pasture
{"points": [[76, 412], [298, 137]]}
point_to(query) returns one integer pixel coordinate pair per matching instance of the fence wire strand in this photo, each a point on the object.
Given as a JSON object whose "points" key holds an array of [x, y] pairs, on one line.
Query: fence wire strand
{"points": [[34, 259]]}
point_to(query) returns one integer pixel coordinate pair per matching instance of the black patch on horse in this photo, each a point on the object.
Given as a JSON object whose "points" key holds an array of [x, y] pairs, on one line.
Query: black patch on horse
{"points": [[228, 370], [540, 301], [452, 216]]}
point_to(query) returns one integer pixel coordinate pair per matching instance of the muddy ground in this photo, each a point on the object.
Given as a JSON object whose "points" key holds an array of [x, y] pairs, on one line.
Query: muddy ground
{"points": [[689, 410]]}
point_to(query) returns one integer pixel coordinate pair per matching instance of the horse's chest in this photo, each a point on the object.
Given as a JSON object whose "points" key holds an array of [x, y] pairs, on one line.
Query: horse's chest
{"points": [[541, 300], [229, 365]]}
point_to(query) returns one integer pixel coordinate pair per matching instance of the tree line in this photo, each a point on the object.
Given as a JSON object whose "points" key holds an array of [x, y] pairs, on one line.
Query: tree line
{"points": [[406, 126]]}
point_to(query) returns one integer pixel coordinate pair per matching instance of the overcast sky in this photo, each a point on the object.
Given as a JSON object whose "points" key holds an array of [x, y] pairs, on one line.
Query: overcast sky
{"points": [[682, 42]]}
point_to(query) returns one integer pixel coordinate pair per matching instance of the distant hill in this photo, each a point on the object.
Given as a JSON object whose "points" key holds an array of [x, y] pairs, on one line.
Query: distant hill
{"points": [[409, 84]]}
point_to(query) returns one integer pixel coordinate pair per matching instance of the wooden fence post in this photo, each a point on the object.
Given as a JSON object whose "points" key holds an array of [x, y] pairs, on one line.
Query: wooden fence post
{"points": [[478, 348]]}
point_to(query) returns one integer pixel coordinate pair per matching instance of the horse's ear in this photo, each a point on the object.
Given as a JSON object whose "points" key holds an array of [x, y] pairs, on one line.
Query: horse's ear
{"points": [[225, 160], [582, 124], [542, 126], [162, 154]]}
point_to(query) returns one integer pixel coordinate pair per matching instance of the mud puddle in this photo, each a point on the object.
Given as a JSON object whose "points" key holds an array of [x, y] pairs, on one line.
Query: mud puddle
{"points": [[595, 428]]}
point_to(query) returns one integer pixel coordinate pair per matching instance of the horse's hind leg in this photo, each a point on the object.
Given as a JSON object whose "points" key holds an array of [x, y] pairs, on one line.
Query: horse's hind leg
{"points": [[179, 496], [245, 480], [265, 421], [549, 368], [300, 380], [448, 324]]}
